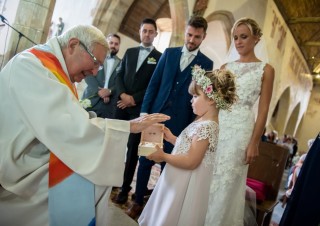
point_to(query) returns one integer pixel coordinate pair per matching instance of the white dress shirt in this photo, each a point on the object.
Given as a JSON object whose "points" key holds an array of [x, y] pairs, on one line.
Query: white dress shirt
{"points": [[107, 71], [143, 53]]}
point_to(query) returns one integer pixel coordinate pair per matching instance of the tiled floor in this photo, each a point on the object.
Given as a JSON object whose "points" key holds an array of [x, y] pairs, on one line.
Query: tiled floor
{"points": [[119, 218], [116, 214]]}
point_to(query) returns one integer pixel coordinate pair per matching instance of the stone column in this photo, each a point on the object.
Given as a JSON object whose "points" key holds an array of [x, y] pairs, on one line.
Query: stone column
{"points": [[180, 15], [33, 19]]}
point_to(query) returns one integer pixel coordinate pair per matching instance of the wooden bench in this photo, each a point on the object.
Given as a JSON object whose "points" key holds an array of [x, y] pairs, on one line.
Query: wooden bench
{"points": [[268, 168]]}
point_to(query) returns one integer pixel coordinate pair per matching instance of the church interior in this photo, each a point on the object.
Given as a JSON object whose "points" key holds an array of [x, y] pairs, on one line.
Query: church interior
{"points": [[290, 42]]}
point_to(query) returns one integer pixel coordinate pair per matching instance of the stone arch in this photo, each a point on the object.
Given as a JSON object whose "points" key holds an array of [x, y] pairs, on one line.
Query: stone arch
{"points": [[110, 13], [218, 40], [280, 112], [292, 123]]}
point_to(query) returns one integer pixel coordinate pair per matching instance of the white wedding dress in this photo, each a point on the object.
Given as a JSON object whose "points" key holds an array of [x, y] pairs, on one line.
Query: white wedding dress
{"points": [[227, 192], [180, 197]]}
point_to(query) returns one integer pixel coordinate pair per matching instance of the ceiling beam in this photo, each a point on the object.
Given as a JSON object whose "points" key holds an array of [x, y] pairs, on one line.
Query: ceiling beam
{"points": [[311, 44], [304, 20]]}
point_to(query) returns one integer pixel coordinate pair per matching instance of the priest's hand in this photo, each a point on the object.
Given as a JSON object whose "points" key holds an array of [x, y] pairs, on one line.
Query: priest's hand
{"points": [[141, 123]]}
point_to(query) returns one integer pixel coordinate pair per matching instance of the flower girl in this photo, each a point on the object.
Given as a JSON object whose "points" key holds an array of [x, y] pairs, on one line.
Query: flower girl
{"points": [[181, 194]]}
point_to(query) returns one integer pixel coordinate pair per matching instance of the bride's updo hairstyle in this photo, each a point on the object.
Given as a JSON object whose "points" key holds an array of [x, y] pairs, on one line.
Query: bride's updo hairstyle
{"points": [[218, 85], [251, 24]]}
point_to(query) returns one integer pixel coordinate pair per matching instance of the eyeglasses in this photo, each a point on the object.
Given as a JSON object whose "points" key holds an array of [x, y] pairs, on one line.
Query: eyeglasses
{"points": [[97, 64]]}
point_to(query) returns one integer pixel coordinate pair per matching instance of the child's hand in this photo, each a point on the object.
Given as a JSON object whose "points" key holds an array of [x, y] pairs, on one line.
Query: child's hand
{"points": [[157, 156], [168, 136]]}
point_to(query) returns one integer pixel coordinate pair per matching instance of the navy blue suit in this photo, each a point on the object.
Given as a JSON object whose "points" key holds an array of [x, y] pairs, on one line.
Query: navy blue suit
{"points": [[168, 93]]}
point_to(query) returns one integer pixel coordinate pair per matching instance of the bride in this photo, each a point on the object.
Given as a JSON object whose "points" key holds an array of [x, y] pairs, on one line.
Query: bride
{"points": [[239, 132]]}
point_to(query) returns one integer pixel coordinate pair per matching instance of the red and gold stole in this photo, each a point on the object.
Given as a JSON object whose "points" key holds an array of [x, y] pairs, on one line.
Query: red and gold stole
{"points": [[71, 196], [58, 171]]}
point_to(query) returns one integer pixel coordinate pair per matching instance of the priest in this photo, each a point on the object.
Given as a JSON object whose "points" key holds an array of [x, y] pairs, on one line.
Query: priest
{"points": [[57, 163]]}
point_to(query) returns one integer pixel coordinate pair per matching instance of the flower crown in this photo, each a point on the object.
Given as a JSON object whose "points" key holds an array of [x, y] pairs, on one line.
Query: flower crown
{"points": [[198, 75]]}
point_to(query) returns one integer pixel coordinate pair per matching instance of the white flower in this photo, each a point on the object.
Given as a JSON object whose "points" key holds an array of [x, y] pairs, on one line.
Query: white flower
{"points": [[151, 60], [199, 76], [85, 103]]}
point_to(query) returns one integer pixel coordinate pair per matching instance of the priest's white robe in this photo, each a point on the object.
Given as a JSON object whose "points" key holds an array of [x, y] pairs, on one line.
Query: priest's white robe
{"points": [[38, 114]]}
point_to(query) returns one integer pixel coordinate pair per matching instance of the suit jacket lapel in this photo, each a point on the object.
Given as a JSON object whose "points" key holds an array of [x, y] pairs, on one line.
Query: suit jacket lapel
{"points": [[145, 62], [115, 64], [101, 78], [174, 64], [135, 59], [113, 71]]}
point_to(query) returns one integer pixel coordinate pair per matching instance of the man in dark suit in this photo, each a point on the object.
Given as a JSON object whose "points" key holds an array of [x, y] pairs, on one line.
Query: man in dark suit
{"points": [[101, 89], [133, 76], [168, 93]]}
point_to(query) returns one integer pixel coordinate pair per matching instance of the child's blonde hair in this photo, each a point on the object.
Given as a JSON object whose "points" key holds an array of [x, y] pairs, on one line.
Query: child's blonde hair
{"points": [[218, 85]]}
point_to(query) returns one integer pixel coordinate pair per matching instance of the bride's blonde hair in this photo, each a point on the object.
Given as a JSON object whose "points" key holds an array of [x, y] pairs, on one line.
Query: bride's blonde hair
{"points": [[251, 24]]}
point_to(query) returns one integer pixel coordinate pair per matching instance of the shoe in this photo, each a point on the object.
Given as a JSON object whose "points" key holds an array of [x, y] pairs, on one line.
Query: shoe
{"points": [[282, 198], [115, 188], [121, 198], [134, 211], [147, 195]]}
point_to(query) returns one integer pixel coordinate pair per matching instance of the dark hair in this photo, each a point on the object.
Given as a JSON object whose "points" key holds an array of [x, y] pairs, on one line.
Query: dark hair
{"points": [[149, 21], [114, 35], [198, 22]]}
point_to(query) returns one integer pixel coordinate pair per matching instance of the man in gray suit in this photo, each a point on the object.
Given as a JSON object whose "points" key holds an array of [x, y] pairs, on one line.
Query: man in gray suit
{"points": [[101, 89]]}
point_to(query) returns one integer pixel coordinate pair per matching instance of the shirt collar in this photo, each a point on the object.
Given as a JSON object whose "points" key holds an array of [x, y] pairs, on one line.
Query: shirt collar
{"points": [[150, 47], [110, 56], [186, 51]]}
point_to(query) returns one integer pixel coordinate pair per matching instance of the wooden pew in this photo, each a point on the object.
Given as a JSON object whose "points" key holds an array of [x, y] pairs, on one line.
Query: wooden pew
{"points": [[268, 168]]}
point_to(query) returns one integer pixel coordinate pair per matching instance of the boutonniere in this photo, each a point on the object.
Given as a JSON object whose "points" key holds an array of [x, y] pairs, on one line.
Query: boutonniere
{"points": [[86, 103], [151, 60]]}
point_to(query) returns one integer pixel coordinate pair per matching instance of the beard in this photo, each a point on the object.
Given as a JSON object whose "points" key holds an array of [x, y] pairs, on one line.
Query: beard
{"points": [[113, 52], [191, 46]]}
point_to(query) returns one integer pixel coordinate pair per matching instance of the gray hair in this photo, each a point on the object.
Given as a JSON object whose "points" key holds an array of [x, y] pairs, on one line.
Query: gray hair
{"points": [[87, 34]]}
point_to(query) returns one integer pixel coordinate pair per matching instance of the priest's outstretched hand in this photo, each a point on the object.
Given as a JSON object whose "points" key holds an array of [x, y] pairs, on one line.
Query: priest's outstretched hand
{"points": [[144, 121]]}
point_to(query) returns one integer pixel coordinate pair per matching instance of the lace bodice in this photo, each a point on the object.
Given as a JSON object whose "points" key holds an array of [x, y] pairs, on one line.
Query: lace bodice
{"points": [[229, 170], [248, 85], [248, 82], [203, 130]]}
